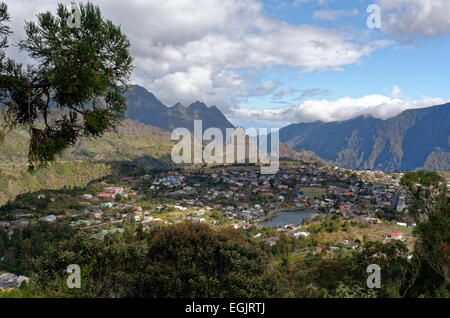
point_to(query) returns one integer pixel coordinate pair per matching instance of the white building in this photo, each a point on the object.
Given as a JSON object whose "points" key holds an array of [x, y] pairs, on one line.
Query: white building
{"points": [[48, 218]]}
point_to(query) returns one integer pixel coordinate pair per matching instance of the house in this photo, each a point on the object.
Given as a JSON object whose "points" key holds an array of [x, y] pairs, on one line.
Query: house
{"points": [[348, 244], [372, 220], [106, 195], [4, 224], [397, 235], [116, 190], [48, 218], [8, 280], [107, 205], [23, 215], [98, 214]]}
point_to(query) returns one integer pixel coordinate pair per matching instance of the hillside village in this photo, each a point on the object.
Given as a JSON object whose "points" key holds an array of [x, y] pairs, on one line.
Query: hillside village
{"points": [[365, 205], [235, 197], [239, 194]]}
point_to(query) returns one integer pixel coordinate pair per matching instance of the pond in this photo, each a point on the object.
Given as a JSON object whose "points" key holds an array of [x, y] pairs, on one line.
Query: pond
{"points": [[288, 217]]}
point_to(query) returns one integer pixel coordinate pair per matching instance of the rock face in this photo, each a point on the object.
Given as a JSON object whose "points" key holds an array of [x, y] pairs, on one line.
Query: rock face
{"points": [[144, 107], [414, 139]]}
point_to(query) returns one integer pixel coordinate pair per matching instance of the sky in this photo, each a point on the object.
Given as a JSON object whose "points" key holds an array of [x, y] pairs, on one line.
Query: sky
{"points": [[274, 62]]}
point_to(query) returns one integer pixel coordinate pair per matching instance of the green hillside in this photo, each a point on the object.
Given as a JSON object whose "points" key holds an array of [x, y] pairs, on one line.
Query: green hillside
{"points": [[133, 145]]}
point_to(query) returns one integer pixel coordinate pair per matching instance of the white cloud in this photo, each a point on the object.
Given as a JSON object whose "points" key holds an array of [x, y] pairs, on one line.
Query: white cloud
{"points": [[396, 91], [213, 50], [314, 92], [287, 91], [407, 19], [329, 14], [346, 108], [319, 2]]}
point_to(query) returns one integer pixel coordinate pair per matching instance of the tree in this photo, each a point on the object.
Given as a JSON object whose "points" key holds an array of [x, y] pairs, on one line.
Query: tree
{"points": [[396, 270], [344, 291], [74, 88], [106, 265], [191, 260], [430, 205], [25, 244], [427, 190], [4, 32], [4, 29]]}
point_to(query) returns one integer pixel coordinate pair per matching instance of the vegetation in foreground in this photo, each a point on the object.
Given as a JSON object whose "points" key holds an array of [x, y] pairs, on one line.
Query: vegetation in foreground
{"points": [[195, 260]]}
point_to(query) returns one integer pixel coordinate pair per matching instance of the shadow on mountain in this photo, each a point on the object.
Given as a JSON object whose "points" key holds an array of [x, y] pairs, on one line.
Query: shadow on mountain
{"points": [[16, 181]]}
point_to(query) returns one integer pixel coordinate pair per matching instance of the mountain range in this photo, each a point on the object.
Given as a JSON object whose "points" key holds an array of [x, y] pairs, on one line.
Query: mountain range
{"points": [[144, 107], [417, 138]]}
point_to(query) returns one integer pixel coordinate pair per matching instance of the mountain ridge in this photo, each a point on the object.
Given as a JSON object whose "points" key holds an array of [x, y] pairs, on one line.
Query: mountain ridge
{"points": [[404, 142], [143, 106]]}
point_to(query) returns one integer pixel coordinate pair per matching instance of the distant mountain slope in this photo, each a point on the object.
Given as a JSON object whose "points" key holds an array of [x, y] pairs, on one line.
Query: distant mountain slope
{"points": [[414, 139], [144, 107], [286, 152], [113, 146], [134, 145]]}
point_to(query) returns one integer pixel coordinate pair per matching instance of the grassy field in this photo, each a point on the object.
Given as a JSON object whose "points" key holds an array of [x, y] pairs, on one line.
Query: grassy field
{"points": [[313, 192], [445, 174], [373, 232]]}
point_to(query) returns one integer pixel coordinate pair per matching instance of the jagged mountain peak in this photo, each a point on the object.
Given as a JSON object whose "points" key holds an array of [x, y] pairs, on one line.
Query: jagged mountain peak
{"points": [[144, 107], [198, 106]]}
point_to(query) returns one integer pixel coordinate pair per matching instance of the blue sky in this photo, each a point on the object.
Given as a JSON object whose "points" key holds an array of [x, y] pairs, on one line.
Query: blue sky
{"points": [[419, 67], [268, 63], [420, 71]]}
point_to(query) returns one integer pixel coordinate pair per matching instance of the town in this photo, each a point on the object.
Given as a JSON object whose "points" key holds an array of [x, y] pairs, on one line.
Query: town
{"points": [[233, 196]]}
